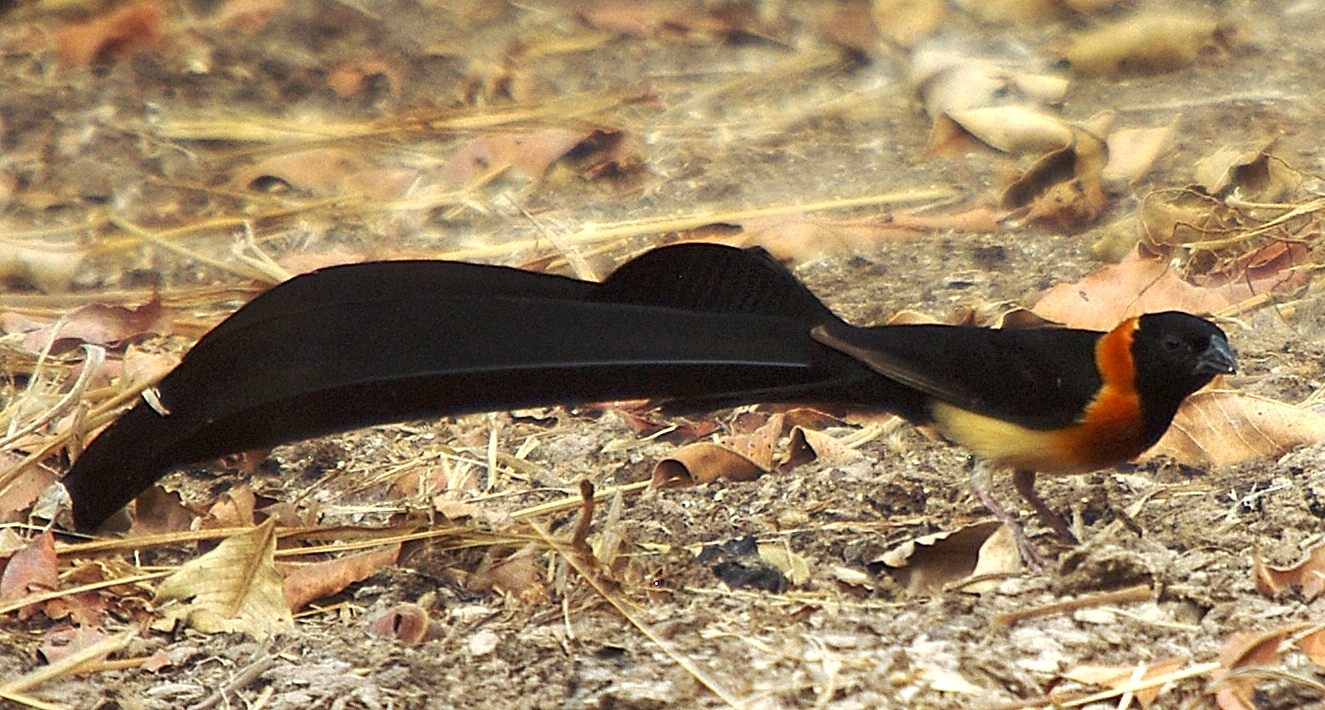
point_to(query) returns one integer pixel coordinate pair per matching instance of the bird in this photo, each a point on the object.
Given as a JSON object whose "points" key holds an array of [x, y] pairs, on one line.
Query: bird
{"points": [[694, 326]]}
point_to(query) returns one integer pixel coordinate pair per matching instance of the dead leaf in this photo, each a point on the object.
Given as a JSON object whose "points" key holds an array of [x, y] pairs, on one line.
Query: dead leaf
{"points": [[50, 268], [233, 509], [1217, 428], [64, 641], [791, 564], [1064, 189], [19, 494], [952, 82], [157, 510], [738, 458], [1313, 645], [407, 623], [1250, 171], [112, 37], [1307, 575], [326, 172], [1114, 677], [528, 154], [306, 583], [1010, 129], [656, 19], [808, 445], [233, 588], [1146, 43], [519, 574], [1137, 284], [929, 563], [33, 569], [1132, 151], [95, 323]]}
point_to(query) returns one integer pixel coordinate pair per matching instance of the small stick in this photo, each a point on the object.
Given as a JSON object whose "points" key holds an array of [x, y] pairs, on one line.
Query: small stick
{"points": [[1138, 593]]}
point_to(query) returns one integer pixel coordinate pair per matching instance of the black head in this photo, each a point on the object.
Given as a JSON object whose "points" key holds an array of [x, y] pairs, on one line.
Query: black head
{"points": [[1176, 354]]}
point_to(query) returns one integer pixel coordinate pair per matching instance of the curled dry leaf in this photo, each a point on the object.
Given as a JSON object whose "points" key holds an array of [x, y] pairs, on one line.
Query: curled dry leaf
{"points": [[1010, 129], [1065, 188], [946, 81], [1253, 172], [407, 623], [808, 445], [51, 268], [928, 564], [33, 569], [1307, 575], [530, 154], [1220, 428], [112, 37], [157, 511], [739, 458], [1121, 676], [95, 323], [1147, 43], [326, 172], [307, 583], [233, 588], [1132, 151]]}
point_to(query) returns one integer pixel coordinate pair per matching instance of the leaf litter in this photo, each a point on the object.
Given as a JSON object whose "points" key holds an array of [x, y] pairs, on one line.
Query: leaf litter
{"points": [[1232, 232]]}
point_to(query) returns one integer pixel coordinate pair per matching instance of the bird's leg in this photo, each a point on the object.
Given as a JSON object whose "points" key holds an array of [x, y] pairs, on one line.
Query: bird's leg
{"points": [[981, 479], [1024, 481]]}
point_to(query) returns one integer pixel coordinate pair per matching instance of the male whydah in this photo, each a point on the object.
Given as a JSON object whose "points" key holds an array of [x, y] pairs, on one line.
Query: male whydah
{"points": [[697, 325]]}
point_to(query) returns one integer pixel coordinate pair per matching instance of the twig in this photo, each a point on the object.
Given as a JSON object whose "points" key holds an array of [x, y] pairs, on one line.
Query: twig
{"points": [[1138, 593]]}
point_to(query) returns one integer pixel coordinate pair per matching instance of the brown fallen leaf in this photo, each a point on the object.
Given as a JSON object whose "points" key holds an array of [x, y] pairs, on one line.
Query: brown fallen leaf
{"points": [[1064, 189], [930, 563], [157, 511], [1313, 645], [233, 588], [1253, 170], [20, 492], [1120, 676], [1148, 43], [738, 458], [1133, 151], [326, 172], [233, 509], [1137, 284], [946, 81], [307, 583], [95, 323], [528, 154], [519, 574], [33, 569], [407, 623], [1308, 575], [112, 37], [1216, 428], [64, 641], [808, 445], [1010, 129]]}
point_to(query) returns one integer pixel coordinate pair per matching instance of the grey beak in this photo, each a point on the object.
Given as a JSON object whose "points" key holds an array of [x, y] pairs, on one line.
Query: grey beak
{"points": [[1218, 358]]}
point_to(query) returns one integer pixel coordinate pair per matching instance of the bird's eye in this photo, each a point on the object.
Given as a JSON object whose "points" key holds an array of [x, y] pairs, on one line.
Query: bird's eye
{"points": [[1172, 345]]}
